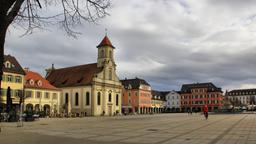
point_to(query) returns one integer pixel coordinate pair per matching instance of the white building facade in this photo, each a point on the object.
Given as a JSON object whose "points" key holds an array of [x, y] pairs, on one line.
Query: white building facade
{"points": [[173, 101], [242, 97]]}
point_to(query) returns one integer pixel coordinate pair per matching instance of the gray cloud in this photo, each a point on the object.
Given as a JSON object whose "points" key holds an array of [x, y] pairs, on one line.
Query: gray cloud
{"points": [[167, 43]]}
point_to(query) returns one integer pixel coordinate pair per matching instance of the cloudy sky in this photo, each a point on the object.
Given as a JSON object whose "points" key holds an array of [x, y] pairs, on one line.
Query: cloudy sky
{"points": [[167, 43]]}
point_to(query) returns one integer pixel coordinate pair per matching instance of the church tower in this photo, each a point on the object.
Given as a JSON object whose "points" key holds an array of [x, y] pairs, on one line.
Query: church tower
{"points": [[106, 53]]}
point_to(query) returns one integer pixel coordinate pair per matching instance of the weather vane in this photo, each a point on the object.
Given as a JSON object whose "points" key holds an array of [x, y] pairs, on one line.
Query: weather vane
{"points": [[106, 31]]}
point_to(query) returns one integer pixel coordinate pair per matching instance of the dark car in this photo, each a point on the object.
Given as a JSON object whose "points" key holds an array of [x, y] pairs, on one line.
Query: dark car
{"points": [[28, 117]]}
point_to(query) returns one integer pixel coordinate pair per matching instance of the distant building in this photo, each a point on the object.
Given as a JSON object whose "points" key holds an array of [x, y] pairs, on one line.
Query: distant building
{"points": [[195, 96], [242, 97], [158, 101], [173, 101], [136, 96], [13, 77], [40, 95], [90, 89]]}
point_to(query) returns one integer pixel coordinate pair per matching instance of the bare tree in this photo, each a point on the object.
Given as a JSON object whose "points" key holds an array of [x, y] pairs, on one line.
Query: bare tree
{"points": [[31, 14]]}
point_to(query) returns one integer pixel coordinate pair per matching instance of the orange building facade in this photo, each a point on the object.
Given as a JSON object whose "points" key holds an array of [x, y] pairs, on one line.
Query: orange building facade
{"points": [[195, 96], [136, 96]]}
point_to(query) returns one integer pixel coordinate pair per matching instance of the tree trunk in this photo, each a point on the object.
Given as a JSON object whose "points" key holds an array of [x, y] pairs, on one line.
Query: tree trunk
{"points": [[3, 30]]}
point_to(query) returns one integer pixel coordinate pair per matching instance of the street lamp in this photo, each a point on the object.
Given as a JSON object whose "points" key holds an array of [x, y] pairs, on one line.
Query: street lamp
{"points": [[22, 97]]}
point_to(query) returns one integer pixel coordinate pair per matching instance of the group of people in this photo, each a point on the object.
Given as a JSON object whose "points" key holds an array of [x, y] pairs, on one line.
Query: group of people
{"points": [[205, 111]]}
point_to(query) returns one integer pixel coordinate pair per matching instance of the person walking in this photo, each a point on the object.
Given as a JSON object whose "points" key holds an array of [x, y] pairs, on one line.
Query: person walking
{"points": [[205, 110]]}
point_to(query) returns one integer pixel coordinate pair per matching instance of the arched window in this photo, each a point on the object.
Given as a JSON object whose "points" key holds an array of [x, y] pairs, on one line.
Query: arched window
{"points": [[66, 98], [110, 54], [117, 99], [98, 98], [77, 99], [109, 97], [102, 53], [87, 98], [110, 74]]}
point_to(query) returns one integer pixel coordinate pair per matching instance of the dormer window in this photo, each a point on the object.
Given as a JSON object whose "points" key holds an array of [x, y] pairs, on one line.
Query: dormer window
{"points": [[7, 64], [39, 83], [129, 87], [31, 82]]}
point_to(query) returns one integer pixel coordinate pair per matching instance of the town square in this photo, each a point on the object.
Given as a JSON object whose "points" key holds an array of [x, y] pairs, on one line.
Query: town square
{"points": [[146, 129]]}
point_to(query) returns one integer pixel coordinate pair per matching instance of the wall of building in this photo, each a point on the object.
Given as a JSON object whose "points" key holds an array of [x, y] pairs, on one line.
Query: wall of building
{"points": [[130, 100], [107, 106], [82, 108], [33, 98], [14, 85], [200, 97], [172, 100]]}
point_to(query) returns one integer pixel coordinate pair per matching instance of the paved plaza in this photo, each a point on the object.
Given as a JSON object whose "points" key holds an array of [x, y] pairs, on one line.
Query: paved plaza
{"points": [[144, 129]]}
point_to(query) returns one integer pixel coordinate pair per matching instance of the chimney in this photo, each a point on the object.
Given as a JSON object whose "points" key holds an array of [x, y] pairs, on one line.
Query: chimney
{"points": [[49, 70]]}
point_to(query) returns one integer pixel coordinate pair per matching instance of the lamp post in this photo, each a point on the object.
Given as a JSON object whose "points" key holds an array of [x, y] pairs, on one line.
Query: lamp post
{"points": [[20, 122]]}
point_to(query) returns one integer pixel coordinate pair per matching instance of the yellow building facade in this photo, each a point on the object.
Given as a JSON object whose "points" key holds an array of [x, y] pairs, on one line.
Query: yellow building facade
{"points": [[40, 95], [13, 77]]}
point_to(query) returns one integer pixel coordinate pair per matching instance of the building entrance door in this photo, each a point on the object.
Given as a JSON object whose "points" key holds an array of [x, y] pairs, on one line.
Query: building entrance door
{"points": [[110, 110]]}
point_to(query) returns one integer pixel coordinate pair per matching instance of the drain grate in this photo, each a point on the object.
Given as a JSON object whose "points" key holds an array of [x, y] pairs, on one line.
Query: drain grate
{"points": [[43, 124], [152, 130]]}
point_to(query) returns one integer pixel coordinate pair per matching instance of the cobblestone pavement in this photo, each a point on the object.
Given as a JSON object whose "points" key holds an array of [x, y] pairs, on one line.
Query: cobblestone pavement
{"points": [[148, 129]]}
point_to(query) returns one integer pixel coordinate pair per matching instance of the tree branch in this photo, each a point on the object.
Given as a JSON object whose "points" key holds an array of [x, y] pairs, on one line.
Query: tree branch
{"points": [[14, 11]]}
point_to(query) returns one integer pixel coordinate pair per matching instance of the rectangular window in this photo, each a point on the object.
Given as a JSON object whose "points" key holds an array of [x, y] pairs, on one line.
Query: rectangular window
{"points": [[46, 95], [18, 93], [3, 77], [9, 78], [54, 95], [18, 79], [3, 92], [110, 74], [38, 94]]}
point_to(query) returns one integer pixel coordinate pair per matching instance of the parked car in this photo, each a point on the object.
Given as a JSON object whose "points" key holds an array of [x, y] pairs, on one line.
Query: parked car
{"points": [[28, 117]]}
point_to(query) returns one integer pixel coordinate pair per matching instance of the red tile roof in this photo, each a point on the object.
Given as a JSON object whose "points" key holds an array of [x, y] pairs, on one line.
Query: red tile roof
{"points": [[105, 42], [30, 75], [73, 76]]}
